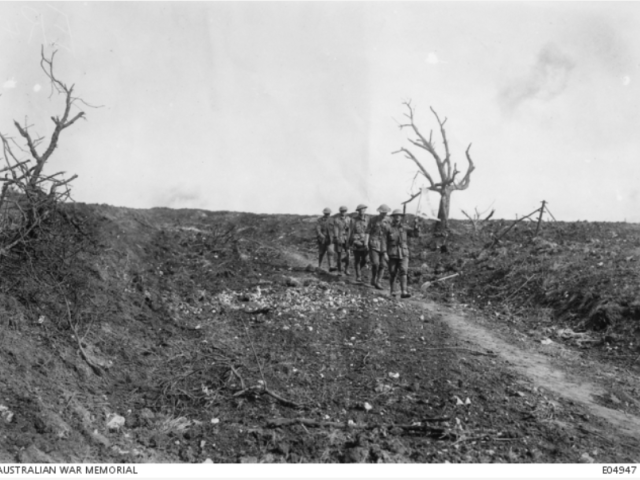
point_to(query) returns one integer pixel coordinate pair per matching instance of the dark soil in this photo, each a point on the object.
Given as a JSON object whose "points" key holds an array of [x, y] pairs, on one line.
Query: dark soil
{"points": [[186, 335]]}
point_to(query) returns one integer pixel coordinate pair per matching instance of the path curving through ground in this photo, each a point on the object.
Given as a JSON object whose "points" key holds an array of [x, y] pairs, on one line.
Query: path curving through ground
{"points": [[537, 368]]}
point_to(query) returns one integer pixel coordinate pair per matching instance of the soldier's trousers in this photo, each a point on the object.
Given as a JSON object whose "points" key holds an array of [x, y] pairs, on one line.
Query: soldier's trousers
{"points": [[398, 266], [325, 247], [359, 260], [360, 257], [377, 259], [342, 255]]}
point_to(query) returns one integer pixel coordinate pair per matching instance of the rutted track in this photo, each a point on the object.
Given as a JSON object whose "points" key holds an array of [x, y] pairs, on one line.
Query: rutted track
{"points": [[538, 369]]}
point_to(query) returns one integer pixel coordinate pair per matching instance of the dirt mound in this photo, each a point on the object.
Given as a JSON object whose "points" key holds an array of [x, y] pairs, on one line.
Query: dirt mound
{"points": [[581, 276]]}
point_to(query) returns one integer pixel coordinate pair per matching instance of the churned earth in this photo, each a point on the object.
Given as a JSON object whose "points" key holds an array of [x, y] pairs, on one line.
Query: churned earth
{"points": [[191, 336]]}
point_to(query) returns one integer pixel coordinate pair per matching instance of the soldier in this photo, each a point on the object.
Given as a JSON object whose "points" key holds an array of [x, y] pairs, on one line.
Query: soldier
{"points": [[324, 234], [341, 234], [398, 251], [359, 240], [377, 247]]}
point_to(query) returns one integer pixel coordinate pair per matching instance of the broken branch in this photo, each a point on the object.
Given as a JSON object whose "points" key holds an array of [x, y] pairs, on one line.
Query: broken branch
{"points": [[263, 390], [418, 427], [96, 369]]}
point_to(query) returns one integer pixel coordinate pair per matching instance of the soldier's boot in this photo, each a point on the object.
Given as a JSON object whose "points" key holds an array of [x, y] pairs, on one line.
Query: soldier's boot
{"points": [[346, 265], [392, 285], [403, 287], [358, 275], [379, 278], [362, 267], [339, 263], [374, 273], [330, 256]]}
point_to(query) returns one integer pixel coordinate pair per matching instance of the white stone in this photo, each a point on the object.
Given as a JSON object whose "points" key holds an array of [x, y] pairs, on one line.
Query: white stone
{"points": [[115, 421]]}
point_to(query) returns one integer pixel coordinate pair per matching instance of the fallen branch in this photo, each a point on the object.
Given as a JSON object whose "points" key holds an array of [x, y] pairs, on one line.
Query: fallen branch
{"points": [[96, 369], [69, 401], [475, 352], [520, 287], [238, 376], [284, 401], [421, 427], [341, 345], [253, 349], [263, 390], [482, 437], [258, 311], [428, 284]]}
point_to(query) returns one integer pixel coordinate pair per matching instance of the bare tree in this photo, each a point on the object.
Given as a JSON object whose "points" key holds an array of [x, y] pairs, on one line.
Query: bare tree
{"points": [[476, 220], [448, 173], [35, 192]]}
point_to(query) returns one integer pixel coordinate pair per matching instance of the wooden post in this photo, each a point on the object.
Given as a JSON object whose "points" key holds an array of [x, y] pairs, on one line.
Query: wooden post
{"points": [[540, 218]]}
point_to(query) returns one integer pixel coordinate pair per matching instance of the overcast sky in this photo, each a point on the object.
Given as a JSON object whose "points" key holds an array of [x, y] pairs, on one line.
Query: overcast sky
{"points": [[291, 107]]}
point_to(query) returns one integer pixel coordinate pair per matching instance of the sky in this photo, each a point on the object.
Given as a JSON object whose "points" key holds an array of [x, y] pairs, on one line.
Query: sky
{"points": [[291, 107]]}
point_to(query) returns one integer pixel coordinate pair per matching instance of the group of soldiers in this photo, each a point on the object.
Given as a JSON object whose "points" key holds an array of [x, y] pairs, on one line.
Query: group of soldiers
{"points": [[381, 240]]}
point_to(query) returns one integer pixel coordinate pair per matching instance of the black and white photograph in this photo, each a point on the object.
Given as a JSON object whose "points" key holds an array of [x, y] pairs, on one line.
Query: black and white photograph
{"points": [[318, 234]]}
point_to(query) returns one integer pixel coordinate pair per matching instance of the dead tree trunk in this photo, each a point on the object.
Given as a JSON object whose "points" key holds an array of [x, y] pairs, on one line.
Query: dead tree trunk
{"points": [[443, 209]]}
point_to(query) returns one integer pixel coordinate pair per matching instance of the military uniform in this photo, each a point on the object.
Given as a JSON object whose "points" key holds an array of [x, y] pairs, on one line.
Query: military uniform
{"points": [[324, 236], [377, 245], [342, 232], [398, 252], [358, 243]]}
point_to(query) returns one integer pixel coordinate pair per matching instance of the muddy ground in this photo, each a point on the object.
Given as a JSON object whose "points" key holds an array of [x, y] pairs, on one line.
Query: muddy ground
{"points": [[189, 336]]}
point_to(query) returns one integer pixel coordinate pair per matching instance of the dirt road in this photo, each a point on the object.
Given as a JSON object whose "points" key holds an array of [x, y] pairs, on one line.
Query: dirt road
{"points": [[567, 378]]}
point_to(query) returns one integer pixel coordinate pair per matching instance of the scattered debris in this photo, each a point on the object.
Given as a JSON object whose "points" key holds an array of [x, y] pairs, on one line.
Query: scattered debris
{"points": [[6, 414], [586, 458], [577, 338], [426, 285], [422, 426], [293, 282], [613, 399], [115, 421]]}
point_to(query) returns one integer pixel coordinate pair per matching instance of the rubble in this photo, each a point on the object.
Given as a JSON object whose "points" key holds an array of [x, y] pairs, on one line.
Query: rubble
{"points": [[115, 421]]}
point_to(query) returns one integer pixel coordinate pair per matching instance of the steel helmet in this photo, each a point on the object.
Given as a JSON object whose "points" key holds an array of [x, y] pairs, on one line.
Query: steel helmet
{"points": [[344, 209], [384, 208], [326, 211], [397, 211], [361, 206]]}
